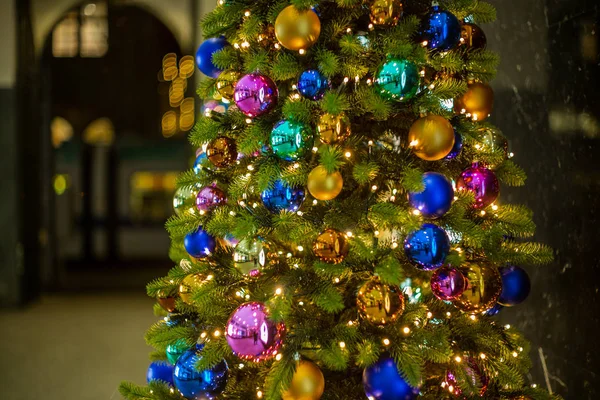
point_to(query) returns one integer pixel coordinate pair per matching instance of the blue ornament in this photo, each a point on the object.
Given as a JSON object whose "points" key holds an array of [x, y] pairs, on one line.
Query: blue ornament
{"points": [[205, 53], [199, 244], [201, 163], [290, 140], [456, 149], [436, 198], [382, 381], [427, 247], [440, 29], [160, 371], [494, 310], [199, 385], [515, 285], [312, 84], [282, 197]]}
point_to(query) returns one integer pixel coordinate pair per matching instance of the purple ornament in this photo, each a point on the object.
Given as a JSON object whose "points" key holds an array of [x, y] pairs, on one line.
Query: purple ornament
{"points": [[474, 373], [255, 94], [447, 283], [252, 335], [482, 182], [209, 197]]}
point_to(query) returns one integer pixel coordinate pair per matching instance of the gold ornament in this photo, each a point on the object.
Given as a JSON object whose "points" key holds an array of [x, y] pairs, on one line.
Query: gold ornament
{"points": [[188, 285], [324, 186], [252, 255], [297, 30], [386, 12], [331, 246], [477, 102], [222, 152], [333, 128], [308, 383], [226, 83], [431, 137], [166, 301], [484, 285], [379, 303]]}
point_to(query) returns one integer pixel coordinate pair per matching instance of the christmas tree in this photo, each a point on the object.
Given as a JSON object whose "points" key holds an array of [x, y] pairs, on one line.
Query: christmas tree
{"points": [[340, 235]]}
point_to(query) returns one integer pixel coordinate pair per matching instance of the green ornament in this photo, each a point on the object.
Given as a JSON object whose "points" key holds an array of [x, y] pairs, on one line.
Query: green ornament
{"points": [[175, 350], [184, 200], [398, 79], [290, 140]]}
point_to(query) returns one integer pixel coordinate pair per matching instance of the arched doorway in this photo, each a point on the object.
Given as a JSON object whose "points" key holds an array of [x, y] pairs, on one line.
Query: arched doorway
{"points": [[113, 174]]}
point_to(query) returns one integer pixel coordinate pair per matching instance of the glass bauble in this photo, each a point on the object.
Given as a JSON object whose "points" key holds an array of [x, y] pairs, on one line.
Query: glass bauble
{"points": [[440, 30], [515, 286], [331, 246], [457, 148], [383, 381], [482, 182], [290, 141], [323, 185], [431, 138], [197, 384], [308, 383], [427, 247], [199, 243], [484, 286], [447, 283], [252, 335], [160, 371], [397, 79], [222, 151], [472, 36], [183, 200], [386, 12], [255, 94], [312, 84], [379, 303], [333, 128], [205, 53], [251, 256], [226, 82], [297, 29], [477, 102], [188, 285], [209, 197], [281, 196], [436, 197]]}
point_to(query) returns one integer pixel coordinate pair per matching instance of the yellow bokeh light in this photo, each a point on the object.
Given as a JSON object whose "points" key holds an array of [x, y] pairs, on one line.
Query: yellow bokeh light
{"points": [[61, 183]]}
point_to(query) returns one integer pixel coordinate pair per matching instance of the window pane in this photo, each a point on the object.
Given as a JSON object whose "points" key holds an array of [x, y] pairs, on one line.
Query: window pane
{"points": [[65, 37]]}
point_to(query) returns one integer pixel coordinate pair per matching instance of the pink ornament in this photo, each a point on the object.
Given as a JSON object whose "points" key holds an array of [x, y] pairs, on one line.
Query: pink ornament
{"points": [[475, 374], [447, 283], [209, 197], [251, 335], [482, 182], [255, 94]]}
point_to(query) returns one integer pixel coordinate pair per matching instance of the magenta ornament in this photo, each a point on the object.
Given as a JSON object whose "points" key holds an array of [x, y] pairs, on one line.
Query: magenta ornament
{"points": [[209, 197], [447, 283], [482, 182], [255, 94], [252, 335]]}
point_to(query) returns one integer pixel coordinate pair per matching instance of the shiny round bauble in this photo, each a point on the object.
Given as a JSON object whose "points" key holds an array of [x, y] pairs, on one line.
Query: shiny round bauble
{"points": [[323, 185], [226, 82], [490, 312], [477, 102], [175, 350], [290, 141], [447, 283], [427, 247], [209, 197], [250, 256], [457, 148], [194, 384], [312, 84], [204, 55], [331, 246], [474, 373], [252, 335], [383, 381], [160, 371], [515, 286], [379, 303], [166, 301], [482, 182], [431, 138], [222, 151], [397, 79], [494, 142], [333, 128], [199, 243], [484, 286], [472, 36], [200, 163], [308, 383], [255, 94], [386, 12], [440, 30], [436, 197], [281, 196], [183, 200], [296, 29], [188, 285]]}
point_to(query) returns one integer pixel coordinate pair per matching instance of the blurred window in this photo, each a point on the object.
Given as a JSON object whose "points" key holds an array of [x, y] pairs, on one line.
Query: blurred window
{"points": [[151, 195], [83, 32]]}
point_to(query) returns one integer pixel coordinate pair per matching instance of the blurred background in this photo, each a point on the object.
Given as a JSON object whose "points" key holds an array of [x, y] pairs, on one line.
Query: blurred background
{"points": [[95, 102]]}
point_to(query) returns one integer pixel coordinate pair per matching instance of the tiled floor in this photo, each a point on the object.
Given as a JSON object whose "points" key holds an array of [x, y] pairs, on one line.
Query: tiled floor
{"points": [[74, 346]]}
